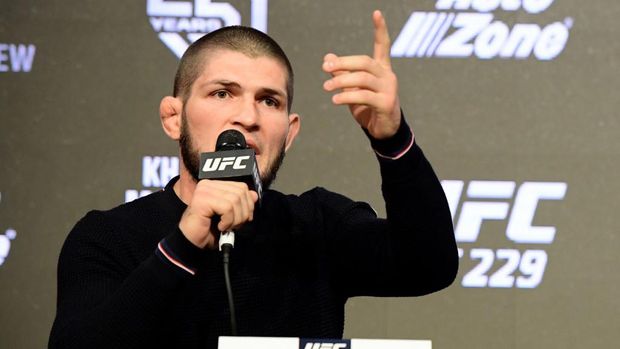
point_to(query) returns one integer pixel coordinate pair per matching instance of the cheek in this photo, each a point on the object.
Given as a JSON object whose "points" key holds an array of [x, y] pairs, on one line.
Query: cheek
{"points": [[277, 140], [203, 128], [274, 138], [279, 127]]}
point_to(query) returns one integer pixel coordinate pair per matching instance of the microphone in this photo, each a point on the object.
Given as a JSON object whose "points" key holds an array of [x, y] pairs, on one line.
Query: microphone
{"points": [[232, 160]]}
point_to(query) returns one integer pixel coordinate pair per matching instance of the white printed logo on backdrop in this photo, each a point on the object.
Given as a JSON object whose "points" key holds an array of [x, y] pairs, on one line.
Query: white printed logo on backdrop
{"points": [[157, 171], [180, 23], [468, 28], [523, 265], [5, 241], [16, 58]]}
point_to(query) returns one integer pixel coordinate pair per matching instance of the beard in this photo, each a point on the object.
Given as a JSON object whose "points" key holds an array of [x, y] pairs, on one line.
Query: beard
{"points": [[191, 157]]}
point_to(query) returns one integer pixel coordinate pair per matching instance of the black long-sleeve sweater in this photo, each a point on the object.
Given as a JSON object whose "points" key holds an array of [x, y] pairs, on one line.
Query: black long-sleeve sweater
{"points": [[292, 268]]}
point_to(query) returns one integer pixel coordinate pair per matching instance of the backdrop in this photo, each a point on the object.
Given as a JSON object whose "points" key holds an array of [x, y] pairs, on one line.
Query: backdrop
{"points": [[513, 101]]}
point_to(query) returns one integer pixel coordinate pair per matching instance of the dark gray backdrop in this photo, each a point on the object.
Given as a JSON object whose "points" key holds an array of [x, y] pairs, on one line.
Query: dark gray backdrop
{"points": [[76, 126]]}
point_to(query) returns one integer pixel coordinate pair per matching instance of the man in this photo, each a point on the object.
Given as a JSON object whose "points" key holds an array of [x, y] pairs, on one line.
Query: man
{"points": [[148, 274]]}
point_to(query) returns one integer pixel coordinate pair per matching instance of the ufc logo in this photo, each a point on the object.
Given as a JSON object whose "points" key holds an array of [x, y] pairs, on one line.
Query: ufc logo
{"points": [[220, 164], [519, 229], [325, 346]]}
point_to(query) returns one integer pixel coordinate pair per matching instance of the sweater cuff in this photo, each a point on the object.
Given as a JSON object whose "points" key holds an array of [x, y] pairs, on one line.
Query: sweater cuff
{"points": [[401, 170], [396, 146], [176, 250]]}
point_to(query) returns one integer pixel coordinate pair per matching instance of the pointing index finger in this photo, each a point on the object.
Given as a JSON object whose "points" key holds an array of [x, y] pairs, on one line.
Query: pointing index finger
{"points": [[382, 39]]}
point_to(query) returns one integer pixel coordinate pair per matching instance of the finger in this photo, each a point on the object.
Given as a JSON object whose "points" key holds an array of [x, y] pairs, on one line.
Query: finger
{"points": [[241, 189], [243, 206], [382, 39], [244, 200], [225, 205], [354, 80], [338, 73], [208, 184], [230, 201], [328, 60], [251, 197], [364, 97], [353, 63]]}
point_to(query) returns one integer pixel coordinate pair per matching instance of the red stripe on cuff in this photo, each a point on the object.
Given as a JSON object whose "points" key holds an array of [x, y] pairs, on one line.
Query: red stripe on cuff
{"points": [[399, 155], [174, 261]]}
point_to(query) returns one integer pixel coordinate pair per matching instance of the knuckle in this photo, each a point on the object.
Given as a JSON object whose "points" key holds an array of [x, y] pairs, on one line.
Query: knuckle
{"points": [[236, 200], [337, 81], [240, 188], [227, 206], [202, 187], [366, 79], [392, 76]]}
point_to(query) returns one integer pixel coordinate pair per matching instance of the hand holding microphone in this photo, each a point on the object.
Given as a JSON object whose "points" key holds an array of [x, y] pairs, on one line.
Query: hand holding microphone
{"points": [[228, 187], [227, 191]]}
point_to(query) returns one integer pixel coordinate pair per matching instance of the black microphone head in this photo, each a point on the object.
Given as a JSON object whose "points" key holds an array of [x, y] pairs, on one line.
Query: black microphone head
{"points": [[230, 140]]}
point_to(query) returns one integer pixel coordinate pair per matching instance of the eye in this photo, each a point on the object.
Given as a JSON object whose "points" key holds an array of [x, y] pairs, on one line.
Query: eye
{"points": [[221, 94], [271, 102]]}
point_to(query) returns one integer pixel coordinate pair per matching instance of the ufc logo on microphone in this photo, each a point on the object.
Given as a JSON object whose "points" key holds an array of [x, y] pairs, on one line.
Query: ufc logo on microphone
{"points": [[220, 164]]}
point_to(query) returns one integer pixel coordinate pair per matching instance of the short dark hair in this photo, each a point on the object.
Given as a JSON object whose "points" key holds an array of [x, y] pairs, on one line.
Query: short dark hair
{"points": [[249, 41]]}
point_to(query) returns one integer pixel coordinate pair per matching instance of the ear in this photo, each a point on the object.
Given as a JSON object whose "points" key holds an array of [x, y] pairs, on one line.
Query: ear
{"points": [[170, 110], [294, 124]]}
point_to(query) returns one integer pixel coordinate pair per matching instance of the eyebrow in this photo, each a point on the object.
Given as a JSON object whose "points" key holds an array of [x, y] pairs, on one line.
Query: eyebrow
{"points": [[226, 83], [233, 84]]}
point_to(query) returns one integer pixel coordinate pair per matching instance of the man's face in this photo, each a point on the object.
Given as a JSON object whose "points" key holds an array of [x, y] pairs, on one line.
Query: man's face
{"points": [[238, 92]]}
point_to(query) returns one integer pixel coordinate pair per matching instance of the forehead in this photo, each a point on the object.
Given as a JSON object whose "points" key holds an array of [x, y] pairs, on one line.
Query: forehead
{"points": [[242, 68]]}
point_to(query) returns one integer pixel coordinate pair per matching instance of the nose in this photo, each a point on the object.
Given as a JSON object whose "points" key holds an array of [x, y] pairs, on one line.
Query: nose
{"points": [[248, 115]]}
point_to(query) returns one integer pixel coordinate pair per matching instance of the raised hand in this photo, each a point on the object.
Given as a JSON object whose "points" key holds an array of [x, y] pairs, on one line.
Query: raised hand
{"points": [[367, 84]]}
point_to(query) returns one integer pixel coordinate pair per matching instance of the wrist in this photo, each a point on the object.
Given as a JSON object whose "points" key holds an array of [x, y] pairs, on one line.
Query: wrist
{"points": [[395, 146], [197, 230], [176, 250]]}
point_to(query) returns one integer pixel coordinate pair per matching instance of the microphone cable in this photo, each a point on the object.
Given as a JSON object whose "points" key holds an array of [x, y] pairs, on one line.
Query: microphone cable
{"points": [[227, 242]]}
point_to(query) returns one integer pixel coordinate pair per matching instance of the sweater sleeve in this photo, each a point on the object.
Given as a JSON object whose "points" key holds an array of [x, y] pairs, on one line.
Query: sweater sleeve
{"points": [[106, 298], [413, 251]]}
